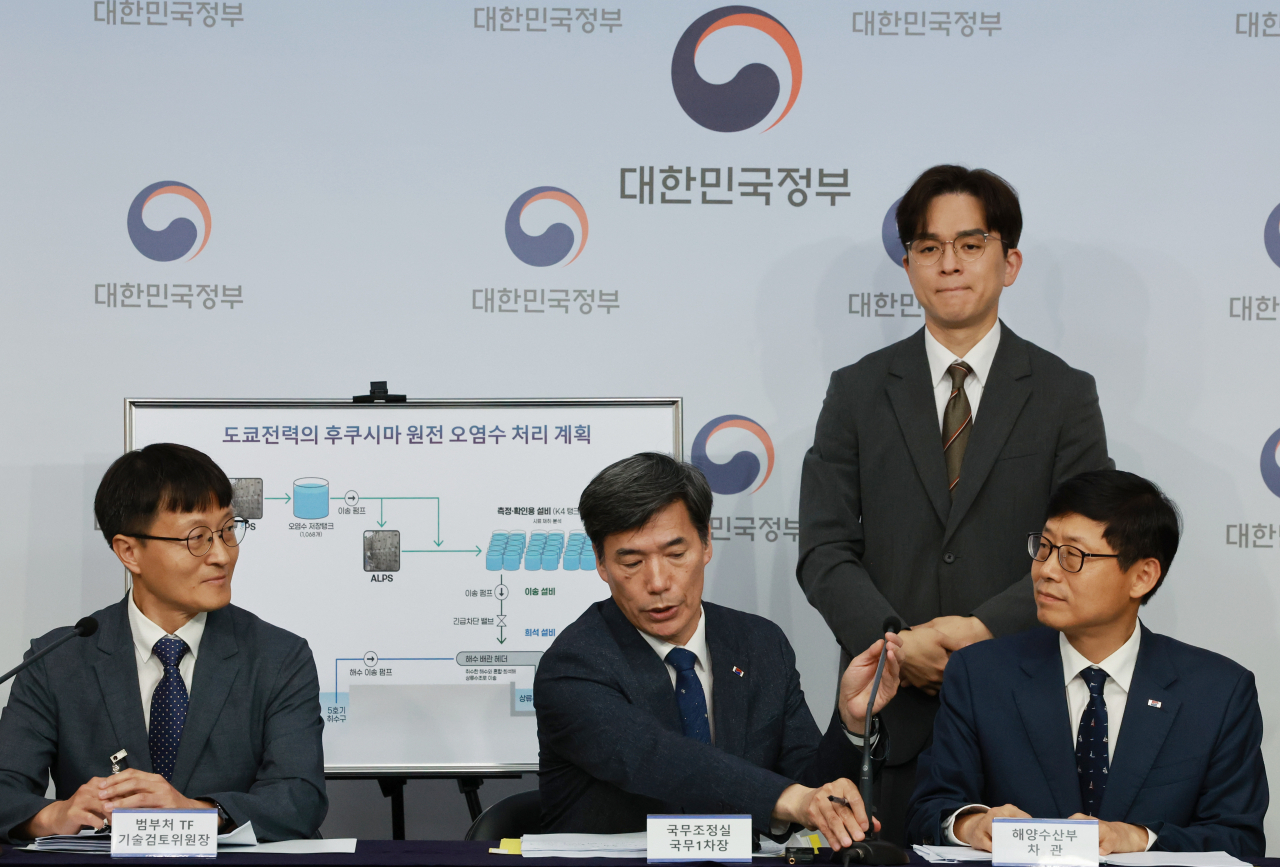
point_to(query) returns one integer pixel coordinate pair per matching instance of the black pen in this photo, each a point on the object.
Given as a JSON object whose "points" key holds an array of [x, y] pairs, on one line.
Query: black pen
{"points": [[835, 800]]}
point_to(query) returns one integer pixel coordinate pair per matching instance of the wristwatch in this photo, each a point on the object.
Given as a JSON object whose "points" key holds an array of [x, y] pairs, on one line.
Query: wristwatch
{"points": [[225, 823]]}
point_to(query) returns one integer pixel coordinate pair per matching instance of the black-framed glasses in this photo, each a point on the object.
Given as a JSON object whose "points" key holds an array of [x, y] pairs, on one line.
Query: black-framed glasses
{"points": [[200, 540], [1070, 557], [968, 247]]}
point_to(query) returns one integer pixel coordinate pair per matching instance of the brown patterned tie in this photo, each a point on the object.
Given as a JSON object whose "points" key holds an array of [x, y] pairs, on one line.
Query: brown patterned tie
{"points": [[957, 423]]}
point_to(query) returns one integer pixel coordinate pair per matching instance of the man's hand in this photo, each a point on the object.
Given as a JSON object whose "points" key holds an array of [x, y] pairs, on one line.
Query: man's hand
{"points": [[135, 789], [975, 828], [962, 631], [1115, 837], [813, 809], [855, 685], [925, 652], [84, 809]]}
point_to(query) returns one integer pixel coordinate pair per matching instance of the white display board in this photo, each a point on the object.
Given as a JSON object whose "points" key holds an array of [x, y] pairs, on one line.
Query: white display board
{"points": [[428, 551]]}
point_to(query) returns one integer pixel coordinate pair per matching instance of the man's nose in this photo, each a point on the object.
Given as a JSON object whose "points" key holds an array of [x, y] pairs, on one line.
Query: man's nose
{"points": [[657, 576], [950, 262], [220, 553]]}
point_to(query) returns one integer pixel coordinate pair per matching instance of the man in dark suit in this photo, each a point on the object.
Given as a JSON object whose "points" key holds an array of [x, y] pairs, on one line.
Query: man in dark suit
{"points": [[214, 707], [655, 701], [934, 457], [1096, 715]]}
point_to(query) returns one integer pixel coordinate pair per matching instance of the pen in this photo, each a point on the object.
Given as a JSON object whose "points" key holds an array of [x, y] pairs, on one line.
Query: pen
{"points": [[835, 800]]}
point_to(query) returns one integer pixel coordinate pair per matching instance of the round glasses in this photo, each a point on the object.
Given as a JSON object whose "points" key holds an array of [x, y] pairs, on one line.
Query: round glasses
{"points": [[1070, 557], [200, 540], [968, 248]]}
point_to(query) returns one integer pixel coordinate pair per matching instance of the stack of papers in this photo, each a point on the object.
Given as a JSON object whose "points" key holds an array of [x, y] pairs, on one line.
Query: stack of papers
{"points": [[950, 854], [585, 845], [90, 842]]}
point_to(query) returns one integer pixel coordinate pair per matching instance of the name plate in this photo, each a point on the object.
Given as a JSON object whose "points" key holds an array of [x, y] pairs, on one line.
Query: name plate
{"points": [[164, 833], [699, 838], [1055, 842]]}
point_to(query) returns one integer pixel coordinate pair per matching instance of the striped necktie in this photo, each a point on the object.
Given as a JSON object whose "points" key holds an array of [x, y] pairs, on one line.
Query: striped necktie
{"points": [[957, 423]]}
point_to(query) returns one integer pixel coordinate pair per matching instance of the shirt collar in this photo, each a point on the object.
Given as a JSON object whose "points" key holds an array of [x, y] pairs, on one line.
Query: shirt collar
{"points": [[1118, 666], [979, 357], [697, 644], [146, 632]]}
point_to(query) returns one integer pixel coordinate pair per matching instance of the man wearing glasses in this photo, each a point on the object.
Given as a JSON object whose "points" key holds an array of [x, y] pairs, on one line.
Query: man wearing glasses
{"points": [[212, 707], [934, 457], [1097, 716]]}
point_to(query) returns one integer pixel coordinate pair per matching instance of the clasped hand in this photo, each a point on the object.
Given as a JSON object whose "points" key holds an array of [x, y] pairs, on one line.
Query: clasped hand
{"points": [[92, 803], [927, 647], [1113, 837]]}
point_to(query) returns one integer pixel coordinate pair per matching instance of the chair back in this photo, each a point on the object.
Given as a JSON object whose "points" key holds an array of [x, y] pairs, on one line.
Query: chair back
{"points": [[513, 816]]}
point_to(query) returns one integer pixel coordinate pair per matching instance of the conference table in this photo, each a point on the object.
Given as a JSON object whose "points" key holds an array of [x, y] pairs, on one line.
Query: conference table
{"points": [[405, 852]]}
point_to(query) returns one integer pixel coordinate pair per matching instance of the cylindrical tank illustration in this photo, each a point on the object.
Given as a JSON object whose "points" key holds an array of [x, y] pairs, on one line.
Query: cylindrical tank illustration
{"points": [[311, 498]]}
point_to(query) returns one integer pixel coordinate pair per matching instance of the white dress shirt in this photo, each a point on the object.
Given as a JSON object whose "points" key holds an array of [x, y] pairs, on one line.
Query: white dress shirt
{"points": [[979, 358], [1115, 692], [150, 669]]}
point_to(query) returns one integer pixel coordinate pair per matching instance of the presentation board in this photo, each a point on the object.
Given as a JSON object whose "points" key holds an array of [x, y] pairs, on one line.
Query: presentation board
{"points": [[429, 552]]}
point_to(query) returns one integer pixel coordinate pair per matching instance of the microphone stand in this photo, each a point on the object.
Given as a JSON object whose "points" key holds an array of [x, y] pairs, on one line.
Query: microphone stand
{"points": [[872, 850]]}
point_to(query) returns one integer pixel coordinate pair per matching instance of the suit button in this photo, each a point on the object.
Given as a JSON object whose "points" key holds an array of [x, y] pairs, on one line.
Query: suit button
{"points": [[948, 557]]}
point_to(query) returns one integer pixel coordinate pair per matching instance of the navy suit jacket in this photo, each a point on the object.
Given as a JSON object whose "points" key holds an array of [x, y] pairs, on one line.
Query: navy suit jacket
{"points": [[1187, 765], [612, 748], [251, 741]]}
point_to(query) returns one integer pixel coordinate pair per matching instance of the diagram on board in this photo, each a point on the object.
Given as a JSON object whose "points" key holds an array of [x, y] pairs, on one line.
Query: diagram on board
{"points": [[429, 556]]}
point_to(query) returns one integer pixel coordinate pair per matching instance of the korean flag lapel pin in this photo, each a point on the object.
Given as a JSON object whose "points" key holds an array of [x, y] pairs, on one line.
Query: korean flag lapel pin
{"points": [[739, 672], [1151, 702]]}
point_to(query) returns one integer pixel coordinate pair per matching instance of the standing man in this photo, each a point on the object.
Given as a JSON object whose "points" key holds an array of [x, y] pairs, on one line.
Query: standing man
{"points": [[934, 457]]}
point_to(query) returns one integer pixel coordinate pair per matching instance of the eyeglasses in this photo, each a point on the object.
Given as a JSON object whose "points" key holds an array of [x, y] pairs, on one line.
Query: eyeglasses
{"points": [[200, 540], [968, 248], [1070, 557]]}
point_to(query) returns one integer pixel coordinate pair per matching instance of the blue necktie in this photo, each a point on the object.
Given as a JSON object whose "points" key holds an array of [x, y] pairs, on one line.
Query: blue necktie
{"points": [[1091, 743], [168, 707], [689, 695]]}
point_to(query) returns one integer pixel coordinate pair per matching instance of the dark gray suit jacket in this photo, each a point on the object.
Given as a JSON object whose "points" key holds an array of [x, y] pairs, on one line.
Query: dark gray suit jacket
{"points": [[612, 748], [879, 533], [251, 742]]}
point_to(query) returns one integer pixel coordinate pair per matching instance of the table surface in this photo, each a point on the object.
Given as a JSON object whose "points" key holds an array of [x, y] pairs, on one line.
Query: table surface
{"points": [[395, 852]]}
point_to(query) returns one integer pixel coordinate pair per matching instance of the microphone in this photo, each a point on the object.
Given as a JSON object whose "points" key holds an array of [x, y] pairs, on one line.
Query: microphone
{"points": [[873, 850], [84, 627]]}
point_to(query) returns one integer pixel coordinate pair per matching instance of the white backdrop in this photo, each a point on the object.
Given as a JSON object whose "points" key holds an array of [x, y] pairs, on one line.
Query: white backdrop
{"points": [[358, 162]]}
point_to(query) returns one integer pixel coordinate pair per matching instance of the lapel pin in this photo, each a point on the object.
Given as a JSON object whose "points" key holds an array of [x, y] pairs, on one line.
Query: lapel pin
{"points": [[1151, 702], [739, 672]]}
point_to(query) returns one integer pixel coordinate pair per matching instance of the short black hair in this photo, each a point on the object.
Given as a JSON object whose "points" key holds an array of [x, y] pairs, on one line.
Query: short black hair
{"points": [[160, 477], [625, 495], [1140, 520], [999, 201]]}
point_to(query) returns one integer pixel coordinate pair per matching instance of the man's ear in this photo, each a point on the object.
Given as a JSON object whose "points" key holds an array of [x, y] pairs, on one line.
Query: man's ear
{"points": [[1143, 577], [1012, 265], [127, 549]]}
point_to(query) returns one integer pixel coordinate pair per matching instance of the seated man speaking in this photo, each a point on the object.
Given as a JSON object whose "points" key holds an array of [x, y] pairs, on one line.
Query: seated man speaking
{"points": [[215, 708], [1096, 715], [655, 701]]}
